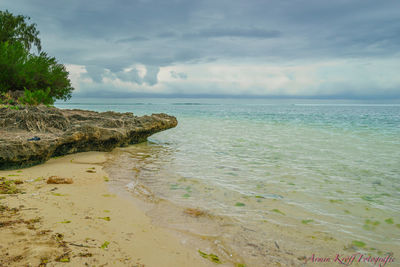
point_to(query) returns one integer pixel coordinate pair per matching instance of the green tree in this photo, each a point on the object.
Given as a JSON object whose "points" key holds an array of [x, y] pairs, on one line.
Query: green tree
{"points": [[15, 29], [12, 60], [21, 70]]}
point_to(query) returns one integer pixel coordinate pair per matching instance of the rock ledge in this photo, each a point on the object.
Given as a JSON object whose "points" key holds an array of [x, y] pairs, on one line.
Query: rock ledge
{"points": [[63, 131]]}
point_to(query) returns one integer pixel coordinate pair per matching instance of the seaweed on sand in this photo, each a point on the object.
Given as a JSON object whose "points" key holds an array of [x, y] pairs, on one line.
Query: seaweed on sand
{"points": [[9, 186]]}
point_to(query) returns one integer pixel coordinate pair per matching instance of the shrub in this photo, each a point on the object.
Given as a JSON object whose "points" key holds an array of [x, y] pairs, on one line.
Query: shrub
{"points": [[6, 98], [36, 97]]}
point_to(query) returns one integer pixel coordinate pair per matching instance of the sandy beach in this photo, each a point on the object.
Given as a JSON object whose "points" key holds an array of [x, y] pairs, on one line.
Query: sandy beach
{"points": [[199, 133], [81, 223]]}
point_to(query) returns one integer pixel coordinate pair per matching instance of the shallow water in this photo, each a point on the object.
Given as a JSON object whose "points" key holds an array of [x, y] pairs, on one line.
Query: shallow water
{"points": [[313, 176]]}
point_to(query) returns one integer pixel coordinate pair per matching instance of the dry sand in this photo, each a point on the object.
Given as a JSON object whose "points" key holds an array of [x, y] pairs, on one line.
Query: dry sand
{"points": [[81, 223]]}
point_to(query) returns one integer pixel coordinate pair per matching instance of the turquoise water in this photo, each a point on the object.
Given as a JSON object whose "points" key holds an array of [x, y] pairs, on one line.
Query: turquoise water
{"points": [[313, 174]]}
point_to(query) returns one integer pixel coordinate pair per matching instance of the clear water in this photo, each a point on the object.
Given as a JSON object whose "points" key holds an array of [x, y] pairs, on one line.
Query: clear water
{"points": [[310, 174]]}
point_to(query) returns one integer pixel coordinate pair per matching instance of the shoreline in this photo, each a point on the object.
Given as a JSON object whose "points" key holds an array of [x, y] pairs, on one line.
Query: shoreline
{"points": [[92, 222], [81, 223]]}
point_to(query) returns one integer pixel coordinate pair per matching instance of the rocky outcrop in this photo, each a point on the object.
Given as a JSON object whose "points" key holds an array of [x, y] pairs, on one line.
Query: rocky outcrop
{"points": [[56, 132]]}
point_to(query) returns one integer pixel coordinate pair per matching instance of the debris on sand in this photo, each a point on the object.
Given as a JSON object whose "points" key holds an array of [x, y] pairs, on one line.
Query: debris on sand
{"points": [[59, 180], [194, 212]]}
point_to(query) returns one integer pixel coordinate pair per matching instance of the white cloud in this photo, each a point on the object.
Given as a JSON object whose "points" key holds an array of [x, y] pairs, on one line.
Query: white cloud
{"points": [[76, 73], [329, 78]]}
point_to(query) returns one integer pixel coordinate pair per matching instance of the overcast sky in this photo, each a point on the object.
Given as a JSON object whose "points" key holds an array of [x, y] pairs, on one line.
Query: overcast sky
{"points": [[298, 48]]}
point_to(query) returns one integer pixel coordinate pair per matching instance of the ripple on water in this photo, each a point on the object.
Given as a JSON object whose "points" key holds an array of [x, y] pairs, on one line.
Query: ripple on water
{"points": [[312, 178]]}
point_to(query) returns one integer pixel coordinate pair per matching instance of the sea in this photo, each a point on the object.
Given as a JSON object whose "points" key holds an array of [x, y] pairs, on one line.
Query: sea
{"points": [[266, 182]]}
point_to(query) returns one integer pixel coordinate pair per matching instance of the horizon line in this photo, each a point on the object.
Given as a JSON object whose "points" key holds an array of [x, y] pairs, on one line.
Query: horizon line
{"points": [[392, 97]]}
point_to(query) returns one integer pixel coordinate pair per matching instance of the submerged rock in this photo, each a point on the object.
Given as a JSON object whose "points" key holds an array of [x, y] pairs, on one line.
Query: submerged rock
{"points": [[58, 132]]}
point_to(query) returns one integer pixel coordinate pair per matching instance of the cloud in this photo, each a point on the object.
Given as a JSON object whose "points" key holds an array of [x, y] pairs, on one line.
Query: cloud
{"points": [[167, 34], [234, 32], [151, 77], [94, 72], [225, 47], [178, 75], [328, 79], [133, 39]]}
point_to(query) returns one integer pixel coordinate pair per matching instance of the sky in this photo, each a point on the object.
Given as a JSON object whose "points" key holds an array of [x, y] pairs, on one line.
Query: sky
{"points": [[282, 48]]}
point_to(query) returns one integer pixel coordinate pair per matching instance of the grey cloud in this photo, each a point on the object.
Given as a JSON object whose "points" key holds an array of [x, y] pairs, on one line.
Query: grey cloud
{"points": [[130, 76], [178, 75], [107, 34], [235, 32], [151, 75], [95, 73], [156, 32], [167, 34], [133, 39]]}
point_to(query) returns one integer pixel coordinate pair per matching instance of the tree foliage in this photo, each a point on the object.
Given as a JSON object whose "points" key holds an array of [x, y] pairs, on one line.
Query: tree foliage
{"points": [[15, 29], [22, 70]]}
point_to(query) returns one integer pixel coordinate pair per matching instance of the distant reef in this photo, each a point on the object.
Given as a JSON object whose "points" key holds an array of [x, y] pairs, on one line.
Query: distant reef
{"points": [[33, 134]]}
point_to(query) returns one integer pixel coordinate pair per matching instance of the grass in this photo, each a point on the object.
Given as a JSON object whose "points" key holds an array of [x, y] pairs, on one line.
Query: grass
{"points": [[359, 244], [59, 195], [212, 257], [9, 186], [105, 218], [389, 221], [105, 245], [278, 211]]}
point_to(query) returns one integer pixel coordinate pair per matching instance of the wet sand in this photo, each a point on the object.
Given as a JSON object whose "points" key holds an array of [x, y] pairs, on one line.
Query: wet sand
{"points": [[80, 223]]}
